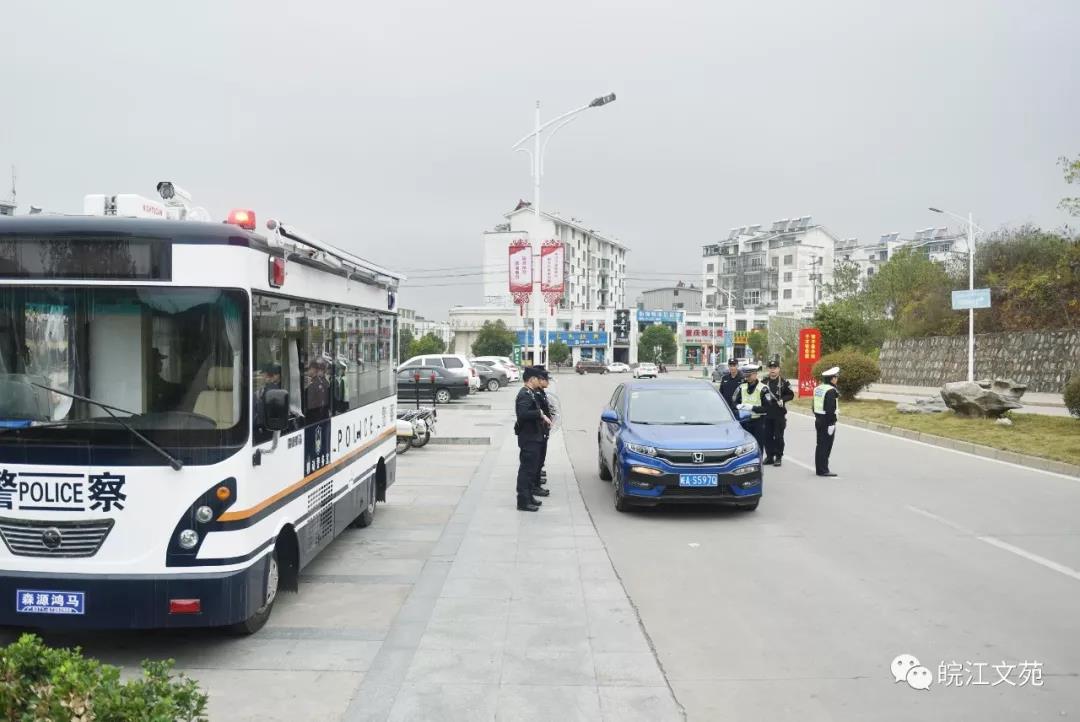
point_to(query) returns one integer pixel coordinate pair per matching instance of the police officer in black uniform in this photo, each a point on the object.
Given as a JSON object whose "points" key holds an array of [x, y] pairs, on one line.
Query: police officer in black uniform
{"points": [[530, 428], [780, 394], [545, 406], [730, 383]]}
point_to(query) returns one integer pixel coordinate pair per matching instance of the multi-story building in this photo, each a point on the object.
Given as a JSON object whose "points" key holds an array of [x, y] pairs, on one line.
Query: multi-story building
{"points": [[680, 297], [595, 264], [783, 268], [939, 244]]}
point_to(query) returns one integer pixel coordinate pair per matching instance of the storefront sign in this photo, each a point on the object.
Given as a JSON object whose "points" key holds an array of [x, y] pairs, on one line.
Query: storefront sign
{"points": [[622, 327], [704, 336], [659, 316], [570, 338]]}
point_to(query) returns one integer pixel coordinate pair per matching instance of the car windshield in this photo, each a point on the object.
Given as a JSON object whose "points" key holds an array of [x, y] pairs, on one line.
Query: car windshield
{"points": [[168, 361], [678, 406]]}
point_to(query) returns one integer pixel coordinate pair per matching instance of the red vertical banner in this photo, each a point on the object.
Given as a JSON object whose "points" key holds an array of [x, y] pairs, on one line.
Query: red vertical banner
{"points": [[552, 282], [809, 354], [521, 272]]}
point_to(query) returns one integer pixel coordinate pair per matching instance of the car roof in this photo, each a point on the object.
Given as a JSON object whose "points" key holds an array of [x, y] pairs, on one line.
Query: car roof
{"points": [[671, 384]]}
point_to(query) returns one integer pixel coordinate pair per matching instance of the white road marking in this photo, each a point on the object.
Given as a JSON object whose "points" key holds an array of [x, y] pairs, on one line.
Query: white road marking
{"points": [[952, 451], [796, 462], [994, 541]]}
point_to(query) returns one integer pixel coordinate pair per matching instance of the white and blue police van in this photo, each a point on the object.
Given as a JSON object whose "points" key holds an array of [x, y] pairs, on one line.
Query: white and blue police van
{"points": [[190, 412]]}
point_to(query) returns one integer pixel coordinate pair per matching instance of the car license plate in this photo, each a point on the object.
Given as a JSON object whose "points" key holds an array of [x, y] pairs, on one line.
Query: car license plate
{"points": [[699, 479], [42, 601]]}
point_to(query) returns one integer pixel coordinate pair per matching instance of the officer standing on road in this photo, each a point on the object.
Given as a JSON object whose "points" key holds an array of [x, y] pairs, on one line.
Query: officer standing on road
{"points": [[731, 382], [751, 396], [826, 410], [546, 407], [779, 390], [531, 424]]}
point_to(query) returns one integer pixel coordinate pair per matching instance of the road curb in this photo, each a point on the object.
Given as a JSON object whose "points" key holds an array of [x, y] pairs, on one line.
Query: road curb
{"points": [[461, 440], [988, 452]]}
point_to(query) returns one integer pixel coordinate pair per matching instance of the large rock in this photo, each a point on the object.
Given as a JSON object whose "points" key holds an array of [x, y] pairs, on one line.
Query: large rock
{"points": [[1005, 387], [970, 399], [928, 405]]}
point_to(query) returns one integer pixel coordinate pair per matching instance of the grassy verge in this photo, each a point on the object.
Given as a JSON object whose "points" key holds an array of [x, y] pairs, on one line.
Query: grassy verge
{"points": [[1049, 437]]}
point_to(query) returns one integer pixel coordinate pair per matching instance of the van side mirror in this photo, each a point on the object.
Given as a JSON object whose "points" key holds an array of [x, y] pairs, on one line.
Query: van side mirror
{"points": [[609, 416], [276, 410]]}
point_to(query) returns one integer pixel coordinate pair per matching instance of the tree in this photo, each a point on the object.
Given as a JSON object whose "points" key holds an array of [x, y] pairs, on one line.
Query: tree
{"points": [[429, 343], [558, 353], [1072, 175], [758, 341], [914, 293], [844, 323], [494, 339], [847, 281], [657, 335]]}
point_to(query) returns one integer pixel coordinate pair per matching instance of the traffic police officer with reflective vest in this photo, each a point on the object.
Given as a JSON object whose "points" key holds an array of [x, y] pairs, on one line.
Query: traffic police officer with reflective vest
{"points": [[531, 425], [752, 396], [826, 409]]}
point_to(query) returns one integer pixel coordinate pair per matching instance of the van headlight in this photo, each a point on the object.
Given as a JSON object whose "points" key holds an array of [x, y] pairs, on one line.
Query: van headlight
{"points": [[639, 448], [746, 448]]}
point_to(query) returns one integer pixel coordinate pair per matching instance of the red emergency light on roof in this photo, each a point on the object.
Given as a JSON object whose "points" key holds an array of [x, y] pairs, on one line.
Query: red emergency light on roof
{"points": [[242, 218], [277, 272]]}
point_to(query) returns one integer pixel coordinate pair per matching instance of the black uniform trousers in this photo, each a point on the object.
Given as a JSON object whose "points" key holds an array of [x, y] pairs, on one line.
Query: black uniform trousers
{"points": [[530, 451], [774, 436], [824, 445], [543, 459], [756, 427]]}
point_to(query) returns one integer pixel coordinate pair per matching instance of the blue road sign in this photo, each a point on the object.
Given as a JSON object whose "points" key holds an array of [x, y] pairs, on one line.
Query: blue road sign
{"points": [[978, 298]]}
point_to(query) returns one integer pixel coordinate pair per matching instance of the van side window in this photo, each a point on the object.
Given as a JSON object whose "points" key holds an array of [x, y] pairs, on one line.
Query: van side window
{"points": [[452, 363], [277, 364]]}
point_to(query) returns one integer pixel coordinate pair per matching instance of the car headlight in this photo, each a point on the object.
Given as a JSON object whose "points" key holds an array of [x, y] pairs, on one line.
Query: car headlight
{"points": [[746, 448], [639, 448], [744, 470]]}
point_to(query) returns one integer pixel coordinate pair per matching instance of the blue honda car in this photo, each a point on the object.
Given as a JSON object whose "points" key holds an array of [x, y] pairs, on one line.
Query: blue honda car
{"points": [[677, 441]]}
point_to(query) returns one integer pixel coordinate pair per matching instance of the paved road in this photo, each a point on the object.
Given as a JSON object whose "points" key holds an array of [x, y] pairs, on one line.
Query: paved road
{"points": [[795, 611]]}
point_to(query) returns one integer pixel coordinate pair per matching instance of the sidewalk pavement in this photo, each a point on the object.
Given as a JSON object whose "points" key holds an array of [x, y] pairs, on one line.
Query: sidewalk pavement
{"points": [[514, 615]]}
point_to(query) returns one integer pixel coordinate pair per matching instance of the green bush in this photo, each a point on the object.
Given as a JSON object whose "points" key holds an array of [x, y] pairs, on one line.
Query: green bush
{"points": [[857, 371], [38, 682], [1072, 395]]}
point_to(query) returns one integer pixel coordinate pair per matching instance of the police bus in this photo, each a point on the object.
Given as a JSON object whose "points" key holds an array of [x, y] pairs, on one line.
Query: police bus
{"points": [[189, 412]]}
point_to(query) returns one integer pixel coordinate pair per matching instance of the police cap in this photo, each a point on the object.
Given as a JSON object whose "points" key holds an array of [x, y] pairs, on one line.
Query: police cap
{"points": [[829, 373], [774, 364]]}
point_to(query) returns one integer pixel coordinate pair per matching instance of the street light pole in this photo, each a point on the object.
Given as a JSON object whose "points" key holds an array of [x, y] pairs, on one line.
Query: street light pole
{"points": [[538, 170], [970, 220]]}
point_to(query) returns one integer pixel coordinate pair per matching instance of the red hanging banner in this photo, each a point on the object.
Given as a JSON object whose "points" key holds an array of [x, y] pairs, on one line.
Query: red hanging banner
{"points": [[521, 272], [809, 354], [552, 282]]}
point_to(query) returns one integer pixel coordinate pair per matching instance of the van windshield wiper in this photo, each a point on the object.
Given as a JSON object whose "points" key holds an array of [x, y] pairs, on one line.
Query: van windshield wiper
{"points": [[175, 463]]}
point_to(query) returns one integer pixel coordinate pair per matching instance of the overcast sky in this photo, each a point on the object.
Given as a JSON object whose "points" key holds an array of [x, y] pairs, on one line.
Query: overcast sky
{"points": [[385, 128]]}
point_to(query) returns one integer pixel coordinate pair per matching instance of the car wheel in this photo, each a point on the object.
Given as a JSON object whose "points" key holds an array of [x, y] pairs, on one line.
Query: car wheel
{"points": [[442, 396], [493, 385], [259, 618], [750, 507], [620, 498], [605, 472]]}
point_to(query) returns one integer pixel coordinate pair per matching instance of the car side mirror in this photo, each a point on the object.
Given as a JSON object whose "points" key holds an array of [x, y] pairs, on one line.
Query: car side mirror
{"points": [[276, 410], [609, 416]]}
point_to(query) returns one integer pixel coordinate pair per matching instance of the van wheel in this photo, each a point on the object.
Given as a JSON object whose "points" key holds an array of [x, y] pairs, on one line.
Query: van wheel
{"points": [[367, 515], [259, 618], [442, 396]]}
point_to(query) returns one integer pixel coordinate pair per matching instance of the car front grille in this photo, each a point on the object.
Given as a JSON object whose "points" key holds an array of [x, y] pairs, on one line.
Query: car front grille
{"points": [[686, 458], [26, 538], [697, 491]]}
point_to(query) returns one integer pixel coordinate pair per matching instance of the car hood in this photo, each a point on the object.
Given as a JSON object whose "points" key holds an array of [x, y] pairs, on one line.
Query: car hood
{"points": [[720, 436]]}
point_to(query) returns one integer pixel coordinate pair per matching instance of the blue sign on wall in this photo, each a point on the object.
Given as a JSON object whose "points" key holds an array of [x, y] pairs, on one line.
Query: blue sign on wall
{"points": [[659, 316], [977, 298], [570, 338]]}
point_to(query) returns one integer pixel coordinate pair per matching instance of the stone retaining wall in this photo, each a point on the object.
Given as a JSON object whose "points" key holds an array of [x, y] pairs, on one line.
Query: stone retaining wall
{"points": [[1044, 360]]}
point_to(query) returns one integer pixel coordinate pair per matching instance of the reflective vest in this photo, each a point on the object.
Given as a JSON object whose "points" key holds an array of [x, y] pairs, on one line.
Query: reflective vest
{"points": [[754, 399], [819, 399]]}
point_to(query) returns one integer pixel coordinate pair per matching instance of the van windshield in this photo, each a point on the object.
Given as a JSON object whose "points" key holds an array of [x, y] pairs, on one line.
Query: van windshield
{"points": [[168, 361]]}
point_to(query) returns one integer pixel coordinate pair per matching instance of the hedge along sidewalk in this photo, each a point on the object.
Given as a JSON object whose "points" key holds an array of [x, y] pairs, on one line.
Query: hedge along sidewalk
{"points": [[1049, 443]]}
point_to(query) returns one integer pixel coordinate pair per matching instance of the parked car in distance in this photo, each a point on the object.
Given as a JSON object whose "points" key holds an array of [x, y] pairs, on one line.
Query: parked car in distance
{"points": [[512, 371], [618, 367], [676, 441], [492, 378], [447, 385], [456, 364], [589, 366], [646, 371]]}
